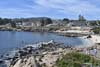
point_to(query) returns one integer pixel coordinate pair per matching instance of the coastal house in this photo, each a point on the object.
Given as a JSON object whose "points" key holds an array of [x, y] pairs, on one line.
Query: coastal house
{"points": [[28, 24], [50, 25], [77, 23], [33, 22], [19, 24]]}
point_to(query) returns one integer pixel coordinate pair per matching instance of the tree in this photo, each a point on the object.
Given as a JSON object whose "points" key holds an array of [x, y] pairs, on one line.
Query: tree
{"points": [[1, 21], [42, 22], [81, 18], [5, 21], [66, 20], [13, 24], [45, 21], [48, 21]]}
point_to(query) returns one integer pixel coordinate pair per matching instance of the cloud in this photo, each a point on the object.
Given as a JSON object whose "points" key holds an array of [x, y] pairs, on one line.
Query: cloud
{"points": [[50, 8], [73, 7]]}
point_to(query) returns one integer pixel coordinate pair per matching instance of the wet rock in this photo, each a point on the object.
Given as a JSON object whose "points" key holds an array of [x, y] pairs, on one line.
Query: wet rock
{"points": [[1, 61]]}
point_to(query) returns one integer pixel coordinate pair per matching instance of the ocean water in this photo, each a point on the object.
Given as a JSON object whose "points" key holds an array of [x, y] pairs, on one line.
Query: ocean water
{"points": [[11, 40]]}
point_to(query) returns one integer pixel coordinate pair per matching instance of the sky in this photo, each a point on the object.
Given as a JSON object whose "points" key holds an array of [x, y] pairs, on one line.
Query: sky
{"points": [[90, 9]]}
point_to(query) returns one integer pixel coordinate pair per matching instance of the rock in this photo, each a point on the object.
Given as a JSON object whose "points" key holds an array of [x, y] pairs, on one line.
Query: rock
{"points": [[1, 61], [25, 57]]}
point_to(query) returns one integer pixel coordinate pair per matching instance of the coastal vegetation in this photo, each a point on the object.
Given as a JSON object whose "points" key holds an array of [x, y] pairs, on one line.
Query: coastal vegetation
{"points": [[4, 21], [13, 25], [45, 21], [75, 59], [66, 20], [96, 30]]}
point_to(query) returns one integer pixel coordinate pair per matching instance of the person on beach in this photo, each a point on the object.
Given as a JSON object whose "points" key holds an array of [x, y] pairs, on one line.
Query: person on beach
{"points": [[95, 52]]}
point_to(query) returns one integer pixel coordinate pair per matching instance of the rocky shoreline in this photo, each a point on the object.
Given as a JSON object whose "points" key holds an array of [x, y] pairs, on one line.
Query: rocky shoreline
{"points": [[23, 56], [43, 54]]}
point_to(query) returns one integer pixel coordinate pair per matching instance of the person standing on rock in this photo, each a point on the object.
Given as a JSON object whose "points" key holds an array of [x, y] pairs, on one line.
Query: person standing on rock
{"points": [[95, 52]]}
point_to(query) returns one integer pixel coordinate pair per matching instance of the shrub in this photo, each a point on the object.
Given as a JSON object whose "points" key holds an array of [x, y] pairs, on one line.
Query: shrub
{"points": [[76, 60]]}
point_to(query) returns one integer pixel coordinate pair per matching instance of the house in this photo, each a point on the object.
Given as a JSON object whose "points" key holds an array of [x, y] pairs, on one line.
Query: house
{"points": [[77, 23], [19, 24], [28, 24]]}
